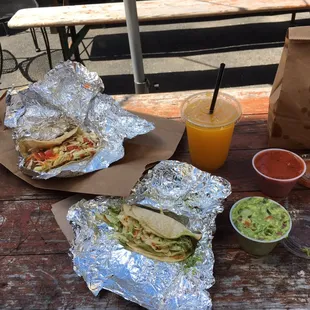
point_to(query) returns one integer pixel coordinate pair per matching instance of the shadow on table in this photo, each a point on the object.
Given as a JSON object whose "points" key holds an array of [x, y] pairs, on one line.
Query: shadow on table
{"points": [[186, 42], [180, 81]]}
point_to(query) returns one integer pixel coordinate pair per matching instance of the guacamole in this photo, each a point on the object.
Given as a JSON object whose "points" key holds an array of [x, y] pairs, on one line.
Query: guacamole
{"points": [[261, 219]]}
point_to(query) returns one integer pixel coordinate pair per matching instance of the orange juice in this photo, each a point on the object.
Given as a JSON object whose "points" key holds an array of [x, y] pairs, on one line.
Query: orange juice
{"points": [[209, 135]]}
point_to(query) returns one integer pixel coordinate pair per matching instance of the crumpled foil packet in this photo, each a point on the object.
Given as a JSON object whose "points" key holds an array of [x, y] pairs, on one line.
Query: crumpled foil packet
{"points": [[70, 93], [184, 192]]}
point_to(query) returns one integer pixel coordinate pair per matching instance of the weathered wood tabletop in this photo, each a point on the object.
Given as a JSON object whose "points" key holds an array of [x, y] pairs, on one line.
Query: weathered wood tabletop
{"points": [[36, 271], [113, 13]]}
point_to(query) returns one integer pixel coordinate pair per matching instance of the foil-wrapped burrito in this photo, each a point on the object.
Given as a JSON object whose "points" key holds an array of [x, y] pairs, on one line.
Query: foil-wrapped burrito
{"points": [[65, 126], [154, 247]]}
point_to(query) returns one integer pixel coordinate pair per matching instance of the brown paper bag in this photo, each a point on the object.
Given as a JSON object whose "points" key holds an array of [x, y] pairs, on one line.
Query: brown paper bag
{"points": [[289, 102]]}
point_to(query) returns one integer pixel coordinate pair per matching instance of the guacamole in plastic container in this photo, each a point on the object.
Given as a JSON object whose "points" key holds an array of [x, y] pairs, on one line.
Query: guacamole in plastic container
{"points": [[261, 223]]}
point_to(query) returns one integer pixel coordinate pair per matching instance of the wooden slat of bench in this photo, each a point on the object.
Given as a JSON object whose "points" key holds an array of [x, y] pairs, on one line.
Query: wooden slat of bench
{"points": [[167, 105], [147, 10]]}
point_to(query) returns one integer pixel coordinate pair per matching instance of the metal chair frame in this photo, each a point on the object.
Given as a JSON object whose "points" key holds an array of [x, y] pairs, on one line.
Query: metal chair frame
{"points": [[4, 22]]}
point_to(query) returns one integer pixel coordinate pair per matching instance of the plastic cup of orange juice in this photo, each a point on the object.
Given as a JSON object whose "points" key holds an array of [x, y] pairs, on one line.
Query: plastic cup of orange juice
{"points": [[209, 135]]}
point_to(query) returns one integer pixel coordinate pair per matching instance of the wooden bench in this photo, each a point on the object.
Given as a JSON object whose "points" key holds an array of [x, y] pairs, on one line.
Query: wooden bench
{"points": [[148, 11], [113, 13]]}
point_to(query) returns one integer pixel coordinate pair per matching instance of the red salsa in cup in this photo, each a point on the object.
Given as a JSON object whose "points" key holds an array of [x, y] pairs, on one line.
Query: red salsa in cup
{"points": [[279, 164]]}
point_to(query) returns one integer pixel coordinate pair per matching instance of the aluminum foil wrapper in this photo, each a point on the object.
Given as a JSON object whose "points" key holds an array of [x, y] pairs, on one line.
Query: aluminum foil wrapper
{"points": [[183, 192], [70, 94]]}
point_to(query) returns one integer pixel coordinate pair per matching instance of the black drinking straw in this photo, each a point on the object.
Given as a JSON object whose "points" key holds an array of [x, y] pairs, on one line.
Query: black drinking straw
{"points": [[217, 87]]}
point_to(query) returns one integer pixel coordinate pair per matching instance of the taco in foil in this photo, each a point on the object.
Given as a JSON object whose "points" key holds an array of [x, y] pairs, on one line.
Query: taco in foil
{"points": [[152, 234], [72, 146]]}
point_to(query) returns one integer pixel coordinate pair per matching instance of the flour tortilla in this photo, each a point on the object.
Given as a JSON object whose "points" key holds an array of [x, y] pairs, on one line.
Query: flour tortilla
{"points": [[160, 224], [24, 145]]}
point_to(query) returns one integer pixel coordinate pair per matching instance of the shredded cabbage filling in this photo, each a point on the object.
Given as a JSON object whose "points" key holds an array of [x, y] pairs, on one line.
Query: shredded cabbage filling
{"points": [[79, 146], [129, 230]]}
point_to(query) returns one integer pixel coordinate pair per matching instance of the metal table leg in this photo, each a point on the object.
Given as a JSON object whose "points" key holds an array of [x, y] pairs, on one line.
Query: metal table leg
{"points": [[47, 44], [293, 20], [74, 39], [34, 38], [64, 42]]}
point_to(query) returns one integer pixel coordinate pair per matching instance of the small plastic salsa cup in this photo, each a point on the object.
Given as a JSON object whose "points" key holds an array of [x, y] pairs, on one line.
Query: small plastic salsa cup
{"points": [[254, 246], [278, 171]]}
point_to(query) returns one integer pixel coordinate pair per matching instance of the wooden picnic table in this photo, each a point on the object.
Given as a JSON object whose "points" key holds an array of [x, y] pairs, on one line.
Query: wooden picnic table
{"points": [[114, 13], [90, 15], [36, 271]]}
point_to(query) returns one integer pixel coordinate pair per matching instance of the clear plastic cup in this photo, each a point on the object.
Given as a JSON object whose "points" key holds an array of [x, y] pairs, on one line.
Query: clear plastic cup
{"points": [[277, 187], [254, 246], [209, 136]]}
